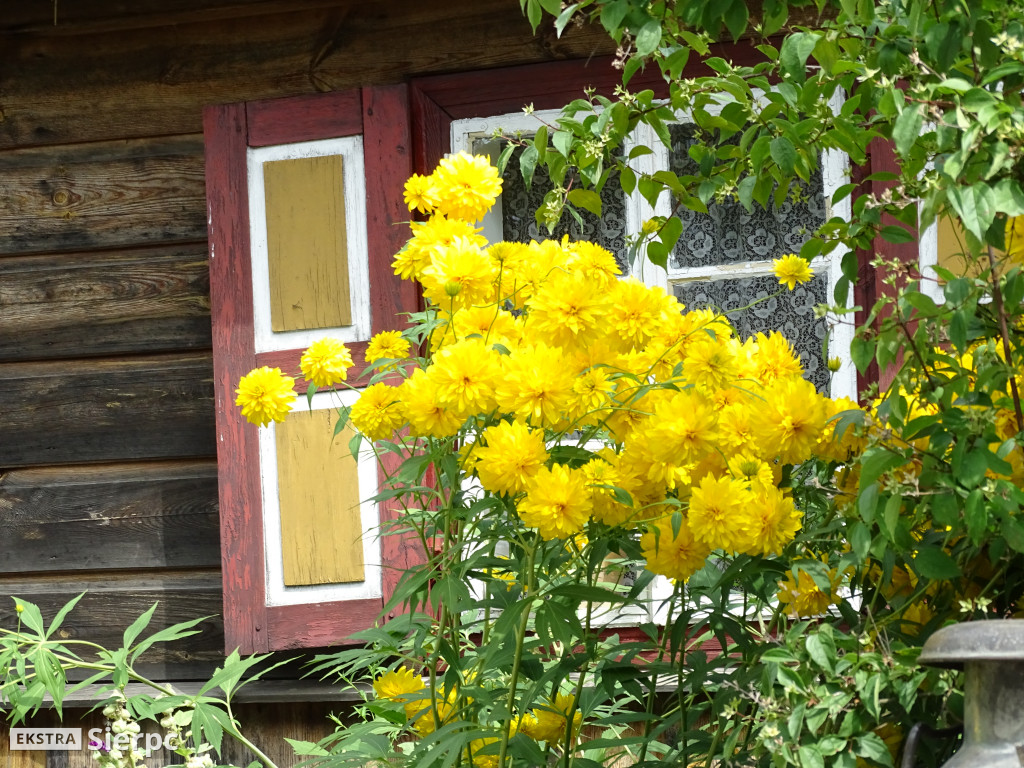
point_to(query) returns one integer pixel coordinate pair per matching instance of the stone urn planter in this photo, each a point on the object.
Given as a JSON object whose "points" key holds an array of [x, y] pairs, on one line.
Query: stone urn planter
{"points": [[991, 653]]}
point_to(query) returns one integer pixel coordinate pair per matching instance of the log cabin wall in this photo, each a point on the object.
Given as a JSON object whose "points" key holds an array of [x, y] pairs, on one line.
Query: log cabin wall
{"points": [[108, 477]]}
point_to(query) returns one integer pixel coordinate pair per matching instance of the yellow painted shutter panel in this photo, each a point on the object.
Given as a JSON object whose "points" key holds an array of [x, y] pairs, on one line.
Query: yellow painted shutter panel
{"points": [[306, 243], [318, 489]]}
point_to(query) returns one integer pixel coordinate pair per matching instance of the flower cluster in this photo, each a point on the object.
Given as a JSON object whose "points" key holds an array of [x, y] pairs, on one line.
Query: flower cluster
{"points": [[687, 426], [582, 404]]}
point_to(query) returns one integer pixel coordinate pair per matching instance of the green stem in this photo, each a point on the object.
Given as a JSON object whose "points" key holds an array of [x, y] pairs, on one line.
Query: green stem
{"points": [[516, 662]]}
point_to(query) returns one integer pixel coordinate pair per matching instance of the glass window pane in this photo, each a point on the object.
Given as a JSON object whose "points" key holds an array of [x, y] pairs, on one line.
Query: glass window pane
{"points": [[519, 206], [727, 234]]}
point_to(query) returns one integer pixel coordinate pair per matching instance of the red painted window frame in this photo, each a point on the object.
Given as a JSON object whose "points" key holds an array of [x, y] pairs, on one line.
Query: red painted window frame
{"points": [[381, 116]]}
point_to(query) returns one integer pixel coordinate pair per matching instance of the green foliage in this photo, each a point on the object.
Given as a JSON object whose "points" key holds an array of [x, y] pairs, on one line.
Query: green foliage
{"points": [[931, 509], [34, 670]]}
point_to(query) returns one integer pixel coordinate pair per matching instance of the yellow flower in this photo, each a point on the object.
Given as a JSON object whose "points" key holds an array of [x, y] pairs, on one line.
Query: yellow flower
{"points": [[776, 521], [790, 421], [773, 358], [596, 263], [567, 310], [531, 266], [394, 684], [428, 238], [677, 556], [548, 723], [599, 472], [557, 503], [512, 456], [387, 345], [718, 514], [791, 269], [424, 717], [633, 312], [486, 751], [459, 275], [681, 431], [326, 362], [467, 186], [463, 375], [803, 596], [265, 394], [426, 416], [591, 396], [536, 385], [377, 413], [421, 193], [711, 362]]}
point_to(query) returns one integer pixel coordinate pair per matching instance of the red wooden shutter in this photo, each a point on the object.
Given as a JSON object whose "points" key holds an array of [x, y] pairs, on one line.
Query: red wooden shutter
{"points": [[256, 621]]}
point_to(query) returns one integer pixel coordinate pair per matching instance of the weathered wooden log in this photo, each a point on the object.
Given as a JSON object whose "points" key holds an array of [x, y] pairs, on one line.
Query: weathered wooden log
{"points": [[103, 195], [113, 601], [105, 303], [109, 517], [155, 80], [153, 407]]}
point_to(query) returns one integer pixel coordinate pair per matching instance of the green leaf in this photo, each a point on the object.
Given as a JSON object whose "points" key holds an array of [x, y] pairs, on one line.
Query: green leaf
{"points": [[877, 461], [935, 564], [586, 198], [304, 748], [784, 154], [958, 331], [540, 141], [894, 233], [795, 50], [810, 757], [860, 540], [62, 614], [612, 15], [822, 651], [137, 626], [975, 516], [564, 17], [528, 164], [863, 352], [648, 38], [169, 634], [745, 192], [907, 128], [975, 205], [971, 471], [736, 17]]}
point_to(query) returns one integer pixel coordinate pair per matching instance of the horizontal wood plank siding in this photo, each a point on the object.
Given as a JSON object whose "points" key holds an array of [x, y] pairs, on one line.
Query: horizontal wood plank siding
{"points": [[105, 195], [112, 602], [109, 517], [107, 469], [106, 410], [156, 80], [133, 301]]}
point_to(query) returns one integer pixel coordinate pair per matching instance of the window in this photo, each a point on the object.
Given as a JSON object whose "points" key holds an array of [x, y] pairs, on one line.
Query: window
{"points": [[369, 141], [723, 260], [302, 194]]}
